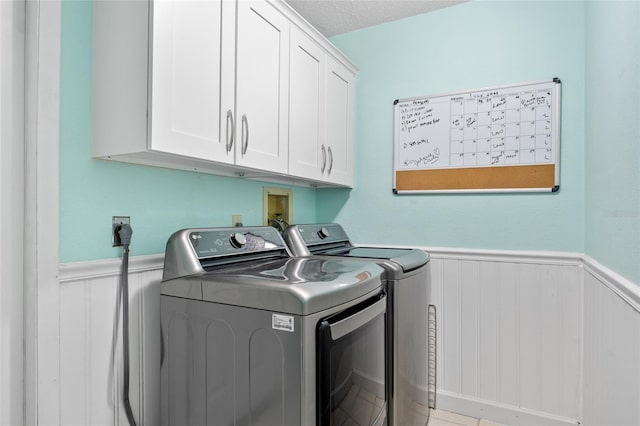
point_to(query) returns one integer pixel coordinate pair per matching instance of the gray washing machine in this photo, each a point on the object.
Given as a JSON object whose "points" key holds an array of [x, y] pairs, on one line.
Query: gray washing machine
{"points": [[408, 291], [254, 336]]}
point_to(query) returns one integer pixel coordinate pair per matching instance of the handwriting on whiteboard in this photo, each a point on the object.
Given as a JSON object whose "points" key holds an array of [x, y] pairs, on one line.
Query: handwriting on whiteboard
{"points": [[503, 126]]}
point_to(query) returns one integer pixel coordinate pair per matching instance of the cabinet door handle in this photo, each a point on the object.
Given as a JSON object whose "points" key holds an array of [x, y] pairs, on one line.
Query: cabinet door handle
{"points": [[324, 159], [231, 135], [245, 133], [330, 161]]}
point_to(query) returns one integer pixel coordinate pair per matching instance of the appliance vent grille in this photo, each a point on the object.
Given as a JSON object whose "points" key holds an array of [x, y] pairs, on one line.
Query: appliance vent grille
{"points": [[431, 354]]}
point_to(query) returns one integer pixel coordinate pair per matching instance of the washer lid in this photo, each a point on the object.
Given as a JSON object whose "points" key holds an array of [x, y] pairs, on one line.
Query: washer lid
{"points": [[400, 259], [330, 239], [299, 286]]}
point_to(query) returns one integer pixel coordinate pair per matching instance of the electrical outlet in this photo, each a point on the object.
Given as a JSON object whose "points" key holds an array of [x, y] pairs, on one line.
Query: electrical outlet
{"points": [[115, 224], [236, 220]]}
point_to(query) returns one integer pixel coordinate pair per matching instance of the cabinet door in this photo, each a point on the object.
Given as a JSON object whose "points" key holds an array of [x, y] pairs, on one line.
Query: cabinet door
{"points": [[307, 153], [339, 123], [262, 82], [192, 78]]}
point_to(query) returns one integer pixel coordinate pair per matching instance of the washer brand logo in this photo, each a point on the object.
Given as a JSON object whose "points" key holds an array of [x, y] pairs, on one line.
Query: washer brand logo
{"points": [[282, 322]]}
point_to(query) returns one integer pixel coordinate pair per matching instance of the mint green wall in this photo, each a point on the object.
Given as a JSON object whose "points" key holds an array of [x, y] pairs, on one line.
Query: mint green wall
{"points": [[471, 45], [613, 136], [159, 201]]}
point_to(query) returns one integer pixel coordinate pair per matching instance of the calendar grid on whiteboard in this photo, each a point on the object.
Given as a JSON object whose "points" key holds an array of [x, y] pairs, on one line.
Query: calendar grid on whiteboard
{"points": [[511, 125], [503, 126]]}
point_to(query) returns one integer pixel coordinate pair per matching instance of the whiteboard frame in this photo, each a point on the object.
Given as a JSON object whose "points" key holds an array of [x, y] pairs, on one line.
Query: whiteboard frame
{"points": [[555, 140]]}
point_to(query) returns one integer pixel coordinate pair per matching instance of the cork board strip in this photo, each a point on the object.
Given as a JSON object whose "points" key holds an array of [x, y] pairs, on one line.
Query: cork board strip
{"points": [[477, 178]]}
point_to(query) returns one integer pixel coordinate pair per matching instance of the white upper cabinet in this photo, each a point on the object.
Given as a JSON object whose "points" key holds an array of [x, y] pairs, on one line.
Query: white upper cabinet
{"points": [[321, 114], [192, 79], [307, 154], [339, 123], [231, 87], [262, 87]]}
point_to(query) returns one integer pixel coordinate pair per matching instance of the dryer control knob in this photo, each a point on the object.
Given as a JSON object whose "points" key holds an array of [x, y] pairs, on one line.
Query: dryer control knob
{"points": [[238, 240], [323, 233]]}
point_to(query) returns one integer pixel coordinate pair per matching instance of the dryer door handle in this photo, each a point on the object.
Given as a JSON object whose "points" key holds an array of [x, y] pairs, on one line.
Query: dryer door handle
{"points": [[357, 320]]}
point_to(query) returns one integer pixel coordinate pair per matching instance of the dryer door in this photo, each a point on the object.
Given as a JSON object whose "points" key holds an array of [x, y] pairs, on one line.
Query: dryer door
{"points": [[351, 366]]}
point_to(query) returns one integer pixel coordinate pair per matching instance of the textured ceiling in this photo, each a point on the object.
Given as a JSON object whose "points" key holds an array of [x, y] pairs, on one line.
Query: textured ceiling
{"points": [[332, 17]]}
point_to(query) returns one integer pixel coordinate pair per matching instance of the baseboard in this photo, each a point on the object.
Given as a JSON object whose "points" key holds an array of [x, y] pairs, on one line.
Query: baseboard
{"points": [[505, 414]]}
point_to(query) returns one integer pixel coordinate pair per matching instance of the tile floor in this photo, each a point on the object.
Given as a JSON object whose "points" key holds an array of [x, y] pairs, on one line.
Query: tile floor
{"points": [[446, 418], [363, 407]]}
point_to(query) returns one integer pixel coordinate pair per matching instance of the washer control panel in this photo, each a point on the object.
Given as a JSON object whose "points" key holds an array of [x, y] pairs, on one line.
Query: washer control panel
{"points": [[321, 233], [217, 242], [195, 250]]}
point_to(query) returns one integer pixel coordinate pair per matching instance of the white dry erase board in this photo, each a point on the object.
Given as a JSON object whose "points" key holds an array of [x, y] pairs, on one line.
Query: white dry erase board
{"points": [[497, 139]]}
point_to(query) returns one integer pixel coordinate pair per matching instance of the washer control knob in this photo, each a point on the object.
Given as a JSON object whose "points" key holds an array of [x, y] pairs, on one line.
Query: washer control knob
{"points": [[238, 240], [323, 233]]}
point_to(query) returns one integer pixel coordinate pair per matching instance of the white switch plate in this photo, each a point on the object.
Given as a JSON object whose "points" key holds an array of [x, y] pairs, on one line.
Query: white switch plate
{"points": [[236, 219]]}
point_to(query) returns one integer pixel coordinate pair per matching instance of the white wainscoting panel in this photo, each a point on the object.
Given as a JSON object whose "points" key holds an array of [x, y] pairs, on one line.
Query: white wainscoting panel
{"points": [[509, 335], [523, 339], [611, 348], [91, 369]]}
